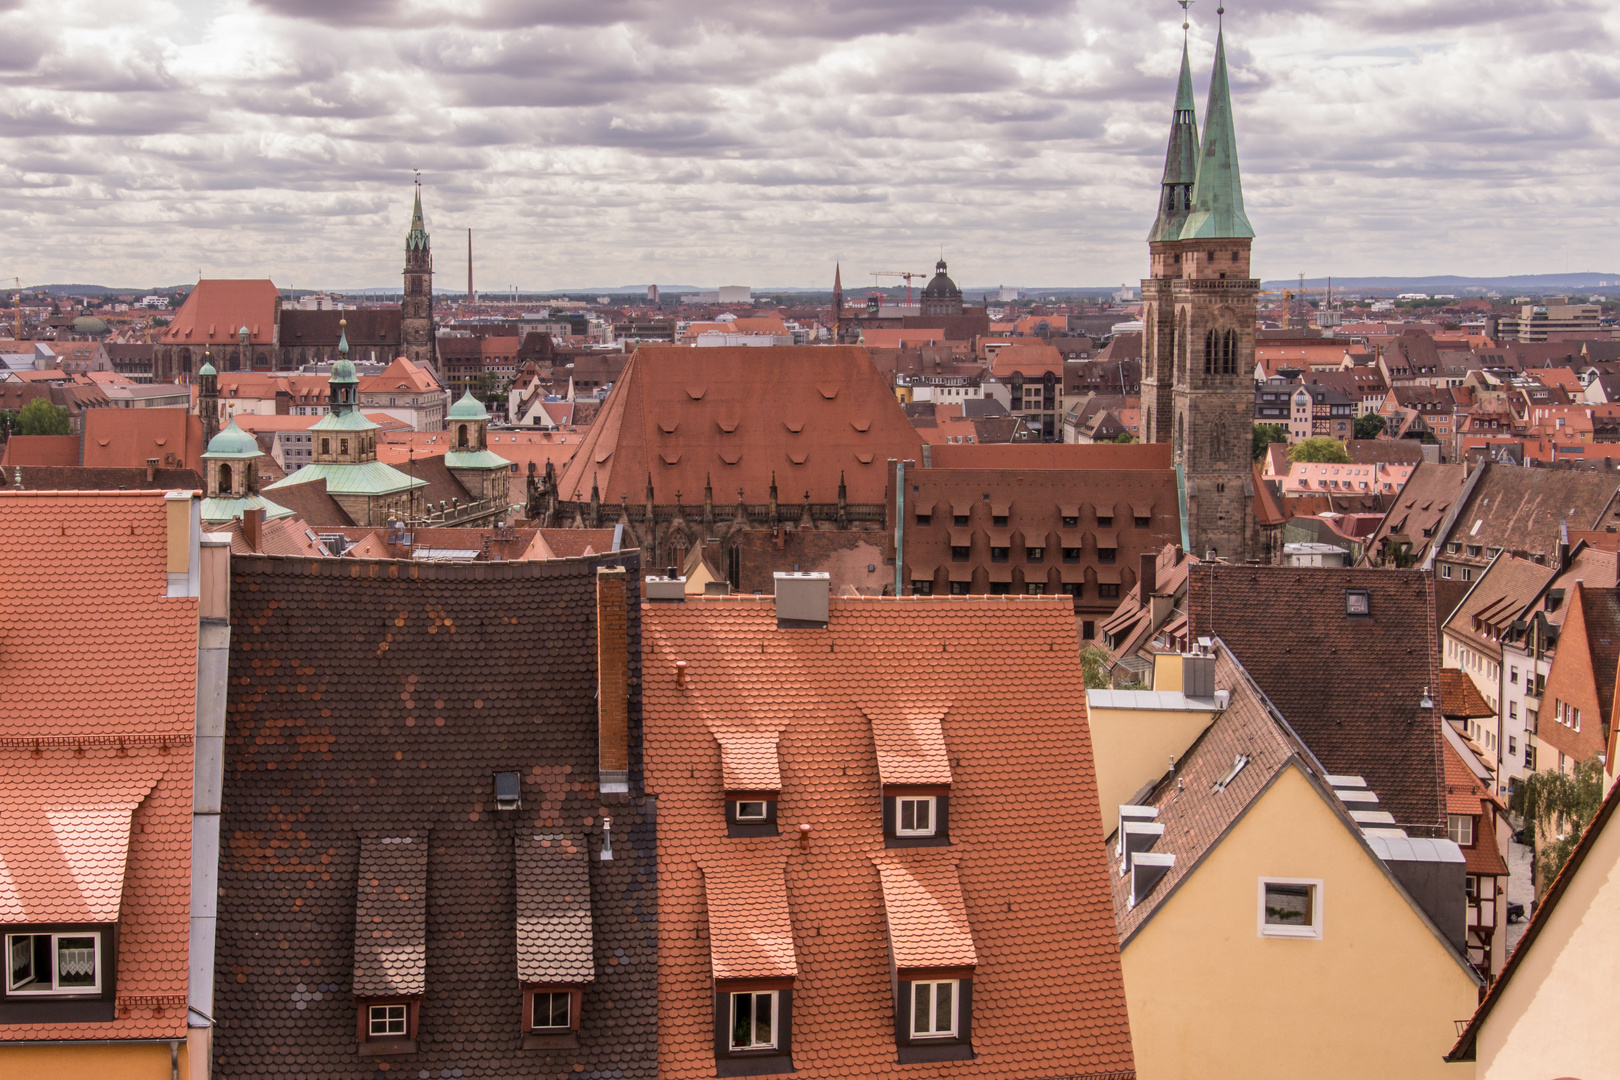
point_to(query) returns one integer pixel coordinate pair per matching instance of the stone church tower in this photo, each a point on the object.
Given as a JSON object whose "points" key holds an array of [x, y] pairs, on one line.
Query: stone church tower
{"points": [[416, 308], [1198, 318]]}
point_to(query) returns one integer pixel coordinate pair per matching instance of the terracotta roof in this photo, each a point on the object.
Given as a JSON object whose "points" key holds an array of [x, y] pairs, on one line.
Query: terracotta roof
{"points": [[1465, 795], [1522, 510], [1053, 456], [554, 938], [750, 931], [1025, 770], [1420, 508], [217, 308], [1350, 687], [401, 375], [571, 543], [1030, 361], [126, 438], [923, 908], [96, 757], [64, 837], [910, 745], [41, 451], [82, 478], [748, 758], [384, 696], [1460, 699], [390, 916], [806, 414]]}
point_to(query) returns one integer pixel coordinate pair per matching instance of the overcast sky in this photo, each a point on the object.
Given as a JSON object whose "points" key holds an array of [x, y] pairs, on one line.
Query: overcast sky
{"points": [[611, 142]]}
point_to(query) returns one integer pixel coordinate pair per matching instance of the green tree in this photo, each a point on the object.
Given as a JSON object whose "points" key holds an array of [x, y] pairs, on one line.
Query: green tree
{"points": [[1324, 448], [1265, 435], [1094, 664], [1558, 806], [1124, 437], [40, 417], [1370, 426]]}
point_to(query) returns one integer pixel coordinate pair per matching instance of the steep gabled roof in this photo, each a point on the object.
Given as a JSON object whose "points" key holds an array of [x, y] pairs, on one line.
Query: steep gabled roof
{"points": [[216, 310]]}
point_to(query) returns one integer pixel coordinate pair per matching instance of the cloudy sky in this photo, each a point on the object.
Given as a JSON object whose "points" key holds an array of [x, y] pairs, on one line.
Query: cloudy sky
{"points": [[609, 142]]}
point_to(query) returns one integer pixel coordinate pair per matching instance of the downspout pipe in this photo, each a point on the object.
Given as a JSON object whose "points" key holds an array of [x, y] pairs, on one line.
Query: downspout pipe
{"points": [[899, 527]]}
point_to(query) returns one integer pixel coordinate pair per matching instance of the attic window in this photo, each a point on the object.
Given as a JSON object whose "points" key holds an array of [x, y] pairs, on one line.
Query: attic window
{"points": [[1357, 603], [508, 791], [1231, 773]]}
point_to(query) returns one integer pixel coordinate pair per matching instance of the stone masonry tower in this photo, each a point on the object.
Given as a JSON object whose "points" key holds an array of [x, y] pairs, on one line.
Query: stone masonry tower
{"points": [[416, 308], [1199, 319]]}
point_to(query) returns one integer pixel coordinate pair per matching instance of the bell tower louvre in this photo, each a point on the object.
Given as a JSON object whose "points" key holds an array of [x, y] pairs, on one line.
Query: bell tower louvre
{"points": [[1199, 313], [417, 338]]}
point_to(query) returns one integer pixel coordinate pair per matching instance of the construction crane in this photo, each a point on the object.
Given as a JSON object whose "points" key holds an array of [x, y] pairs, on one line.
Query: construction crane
{"points": [[899, 274], [16, 310]]}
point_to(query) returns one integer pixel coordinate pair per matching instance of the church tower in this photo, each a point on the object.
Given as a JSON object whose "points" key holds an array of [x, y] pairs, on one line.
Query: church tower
{"points": [[416, 308], [1199, 323]]}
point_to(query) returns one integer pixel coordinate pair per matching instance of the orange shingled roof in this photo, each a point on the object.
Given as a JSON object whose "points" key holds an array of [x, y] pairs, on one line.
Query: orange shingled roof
{"points": [[1048, 997], [925, 913], [126, 438], [748, 758], [96, 728], [910, 746], [218, 308], [750, 931]]}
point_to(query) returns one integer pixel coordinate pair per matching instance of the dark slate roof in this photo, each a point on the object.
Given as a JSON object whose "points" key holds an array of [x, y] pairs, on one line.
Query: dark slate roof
{"points": [[373, 700], [1351, 688], [390, 916], [366, 326], [98, 478]]}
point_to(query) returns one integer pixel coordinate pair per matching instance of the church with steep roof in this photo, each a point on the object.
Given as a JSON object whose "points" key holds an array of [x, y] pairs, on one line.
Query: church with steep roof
{"points": [[1199, 312]]}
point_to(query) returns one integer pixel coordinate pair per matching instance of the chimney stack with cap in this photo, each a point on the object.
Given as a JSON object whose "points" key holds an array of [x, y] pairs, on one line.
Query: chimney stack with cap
{"points": [[1149, 580], [612, 680], [253, 527]]}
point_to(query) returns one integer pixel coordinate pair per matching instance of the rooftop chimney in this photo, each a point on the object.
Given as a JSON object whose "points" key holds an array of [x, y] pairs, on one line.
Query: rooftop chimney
{"points": [[151, 470], [801, 599], [253, 527], [1148, 582], [612, 681]]}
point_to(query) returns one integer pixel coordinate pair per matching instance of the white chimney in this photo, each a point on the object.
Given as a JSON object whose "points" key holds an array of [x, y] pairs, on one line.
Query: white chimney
{"points": [[801, 599]]}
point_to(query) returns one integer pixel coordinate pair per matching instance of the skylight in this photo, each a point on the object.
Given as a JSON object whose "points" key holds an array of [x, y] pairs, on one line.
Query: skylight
{"points": [[1231, 774]]}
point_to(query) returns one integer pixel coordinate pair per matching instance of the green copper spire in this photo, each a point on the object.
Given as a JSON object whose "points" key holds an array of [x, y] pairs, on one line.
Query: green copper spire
{"points": [[1180, 161], [417, 238], [343, 339], [1217, 210]]}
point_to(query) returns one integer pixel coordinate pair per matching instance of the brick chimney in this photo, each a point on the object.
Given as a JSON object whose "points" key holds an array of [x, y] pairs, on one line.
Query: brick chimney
{"points": [[612, 680], [1149, 579], [253, 526], [151, 470]]}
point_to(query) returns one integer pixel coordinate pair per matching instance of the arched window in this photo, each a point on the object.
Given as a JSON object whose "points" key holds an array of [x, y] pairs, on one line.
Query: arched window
{"points": [[461, 437], [1229, 353], [225, 478], [1209, 353]]}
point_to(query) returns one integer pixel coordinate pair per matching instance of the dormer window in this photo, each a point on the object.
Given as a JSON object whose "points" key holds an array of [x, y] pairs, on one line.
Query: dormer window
{"points": [[754, 810], [56, 964], [916, 815]]}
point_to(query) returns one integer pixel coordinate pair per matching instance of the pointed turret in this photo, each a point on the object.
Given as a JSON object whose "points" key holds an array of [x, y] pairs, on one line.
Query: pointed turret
{"points": [[417, 238], [1217, 200], [1180, 161], [838, 291]]}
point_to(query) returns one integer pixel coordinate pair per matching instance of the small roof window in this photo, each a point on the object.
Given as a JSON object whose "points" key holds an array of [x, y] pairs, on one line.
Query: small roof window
{"points": [[508, 791], [1357, 603]]}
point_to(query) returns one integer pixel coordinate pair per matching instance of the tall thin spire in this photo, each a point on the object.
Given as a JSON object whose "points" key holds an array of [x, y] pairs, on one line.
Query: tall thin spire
{"points": [[1180, 160], [417, 238], [1217, 200]]}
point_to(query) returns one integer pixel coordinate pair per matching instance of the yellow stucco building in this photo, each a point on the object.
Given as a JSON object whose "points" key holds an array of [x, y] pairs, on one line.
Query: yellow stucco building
{"points": [[1266, 928]]}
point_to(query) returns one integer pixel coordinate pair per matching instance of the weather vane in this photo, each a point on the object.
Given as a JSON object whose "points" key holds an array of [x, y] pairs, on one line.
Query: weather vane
{"points": [[1185, 14]]}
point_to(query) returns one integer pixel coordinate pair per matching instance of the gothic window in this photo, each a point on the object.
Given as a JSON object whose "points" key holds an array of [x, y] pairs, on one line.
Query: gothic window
{"points": [[1229, 353], [1209, 353], [1178, 435], [225, 479]]}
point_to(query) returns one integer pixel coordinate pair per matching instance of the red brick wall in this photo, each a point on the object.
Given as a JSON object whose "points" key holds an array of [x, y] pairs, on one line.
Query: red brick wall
{"points": [[1571, 682]]}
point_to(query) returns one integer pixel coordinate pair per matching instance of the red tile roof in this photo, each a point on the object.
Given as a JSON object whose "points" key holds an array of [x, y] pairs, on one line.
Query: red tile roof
{"points": [[1021, 767], [217, 308], [57, 450], [96, 727], [748, 758], [1465, 795], [806, 415], [126, 438], [910, 745], [750, 930], [926, 916], [1460, 698]]}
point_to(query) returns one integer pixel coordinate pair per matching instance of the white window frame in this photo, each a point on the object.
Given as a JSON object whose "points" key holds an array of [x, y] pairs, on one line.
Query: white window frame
{"points": [[1457, 825], [387, 1019], [568, 1015], [930, 989], [900, 802], [776, 1019], [1273, 930], [53, 990], [764, 811]]}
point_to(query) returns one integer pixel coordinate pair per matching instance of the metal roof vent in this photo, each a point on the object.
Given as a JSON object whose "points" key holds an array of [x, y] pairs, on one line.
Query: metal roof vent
{"points": [[666, 589], [508, 790], [801, 599]]}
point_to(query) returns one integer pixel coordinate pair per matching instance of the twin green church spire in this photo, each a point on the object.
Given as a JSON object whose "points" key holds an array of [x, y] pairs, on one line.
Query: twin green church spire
{"points": [[1201, 197]]}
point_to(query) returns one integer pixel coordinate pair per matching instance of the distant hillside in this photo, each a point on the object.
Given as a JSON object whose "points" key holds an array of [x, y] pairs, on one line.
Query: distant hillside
{"points": [[1538, 284]]}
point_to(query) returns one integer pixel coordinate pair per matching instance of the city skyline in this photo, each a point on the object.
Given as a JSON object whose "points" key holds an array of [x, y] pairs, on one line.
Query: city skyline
{"points": [[636, 143]]}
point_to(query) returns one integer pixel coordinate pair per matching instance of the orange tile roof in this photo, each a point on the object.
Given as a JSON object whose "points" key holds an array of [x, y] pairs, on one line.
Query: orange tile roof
{"points": [[217, 308], [400, 375], [1021, 768], [1028, 360], [1460, 698], [1466, 795], [54, 614], [125, 438], [750, 931], [806, 414], [910, 745], [924, 910], [41, 450], [748, 758], [96, 757], [64, 837]]}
